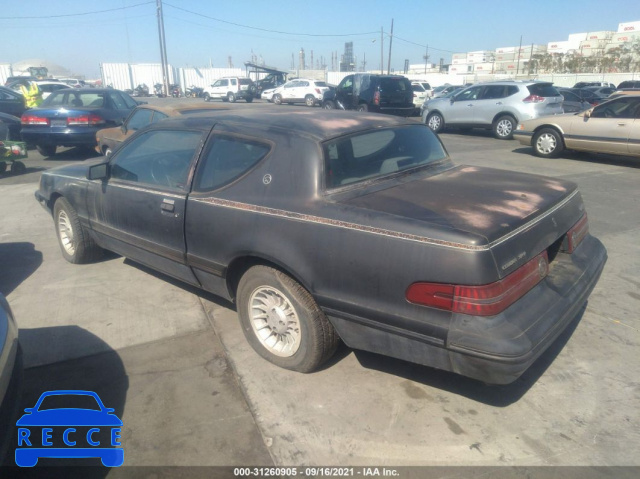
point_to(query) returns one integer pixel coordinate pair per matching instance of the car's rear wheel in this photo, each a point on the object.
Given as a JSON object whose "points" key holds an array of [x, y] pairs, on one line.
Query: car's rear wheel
{"points": [[329, 105], [363, 107], [503, 127], [277, 99], [547, 143], [435, 122], [18, 168], [46, 150], [107, 151], [309, 100], [76, 243], [3, 167], [282, 322], [207, 97], [231, 97], [249, 99]]}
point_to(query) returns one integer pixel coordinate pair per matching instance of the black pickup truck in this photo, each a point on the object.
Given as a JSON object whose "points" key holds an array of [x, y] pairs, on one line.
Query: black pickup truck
{"points": [[336, 225]]}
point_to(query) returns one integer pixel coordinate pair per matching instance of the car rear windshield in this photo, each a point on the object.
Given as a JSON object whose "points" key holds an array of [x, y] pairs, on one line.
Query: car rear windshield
{"points": [[73, 98], [321, 83], [245, 81], [543, 89], [379, 153], [394, 84]]}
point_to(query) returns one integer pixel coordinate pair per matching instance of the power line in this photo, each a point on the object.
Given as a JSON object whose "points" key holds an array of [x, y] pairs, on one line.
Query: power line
{"points": [[421, 45], [76, 14], [266, 29]]}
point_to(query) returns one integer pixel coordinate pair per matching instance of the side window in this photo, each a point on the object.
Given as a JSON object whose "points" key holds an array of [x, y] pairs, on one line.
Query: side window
{"points": [[512, 90], [569, 96], [130, 102], [492, 92], [224, 83], [620, 108], [157, 116], [234, 81], [139, 119], [304, 83], [346, 83], [118, 101], [157, 158], [226, 160], [468, 94]]}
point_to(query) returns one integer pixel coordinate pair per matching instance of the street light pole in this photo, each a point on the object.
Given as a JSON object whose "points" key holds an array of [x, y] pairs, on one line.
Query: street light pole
{"points": [[390, 42], [163, 49]]}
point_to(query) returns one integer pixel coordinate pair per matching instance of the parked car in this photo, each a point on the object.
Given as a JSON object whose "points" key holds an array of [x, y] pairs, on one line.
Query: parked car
{"points": [[270, 82], [376, 238], [391, 94], [72, 117], [427, 88], [493, 105], [74, 82], [10, 376], [627, 92], [301, 90], [589, 95], [109, 139], [46, 86], [419, 95], [9, 130], [11, 102], [611, 127], [601, 91], [583, 84], [231, 89], [572, 102], [445, 91], [628, 84], [268, 94]]}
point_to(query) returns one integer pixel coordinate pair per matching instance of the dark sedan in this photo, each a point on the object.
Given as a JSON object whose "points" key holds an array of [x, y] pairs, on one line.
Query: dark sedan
{"points": [[10, 376], [11, 102], [72, 117], [327, 225]]}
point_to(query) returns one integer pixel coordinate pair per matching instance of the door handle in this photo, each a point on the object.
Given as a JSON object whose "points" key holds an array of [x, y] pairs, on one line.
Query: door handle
{"points": [[168, 205], [470, 104], [499, 103], [621, 124]]}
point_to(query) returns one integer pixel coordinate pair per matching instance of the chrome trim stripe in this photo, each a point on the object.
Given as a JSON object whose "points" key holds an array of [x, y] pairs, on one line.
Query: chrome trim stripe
{"points": [[147, 190], [609, 139], [528, 225], [338, 223]]}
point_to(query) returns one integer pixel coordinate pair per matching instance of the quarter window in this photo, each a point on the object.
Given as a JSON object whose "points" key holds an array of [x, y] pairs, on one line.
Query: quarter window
{"points": [[226, 160], [139, 119], [157, 158]]}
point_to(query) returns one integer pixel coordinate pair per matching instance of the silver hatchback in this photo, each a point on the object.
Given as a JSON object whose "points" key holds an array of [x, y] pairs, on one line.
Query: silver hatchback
{"points": [[499, 106]]}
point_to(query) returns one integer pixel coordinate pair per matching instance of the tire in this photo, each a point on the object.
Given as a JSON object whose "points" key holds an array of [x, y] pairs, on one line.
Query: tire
{"points": [[329, 105], [231, 97], [46, 150], [435, 122], [249, 99], [3, 167], [309, 100], [504, 127], [76, 244], [18, 168], [277, 99], [108, 152], [207, 97], [363, 107], [547, 143], [311, 337]]}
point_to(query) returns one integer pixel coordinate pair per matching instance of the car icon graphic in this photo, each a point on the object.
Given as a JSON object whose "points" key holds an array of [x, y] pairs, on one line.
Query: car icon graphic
{"points": [[90, 431]]}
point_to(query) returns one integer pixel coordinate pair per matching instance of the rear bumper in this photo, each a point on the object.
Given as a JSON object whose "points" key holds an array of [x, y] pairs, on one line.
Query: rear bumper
{"points": [[495, 349], [398, 111], [62, 138]]}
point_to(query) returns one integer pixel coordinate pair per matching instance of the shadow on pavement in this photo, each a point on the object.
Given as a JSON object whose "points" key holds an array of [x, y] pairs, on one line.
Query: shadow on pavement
{"points": [[585, 157], [19, 261], [102, 373], [492, 395]]}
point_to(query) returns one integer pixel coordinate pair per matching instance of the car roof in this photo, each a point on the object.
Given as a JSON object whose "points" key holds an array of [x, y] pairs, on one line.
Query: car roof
{"points": [[175, 109], [318, 124]]}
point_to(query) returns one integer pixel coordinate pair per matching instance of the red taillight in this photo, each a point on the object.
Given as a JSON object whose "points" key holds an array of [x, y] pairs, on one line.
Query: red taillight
{"points": [[533, 99], [485, 300], [28, 119], [376, 98], [415, 95], [575, 235], [87, 120], [318, 91]]}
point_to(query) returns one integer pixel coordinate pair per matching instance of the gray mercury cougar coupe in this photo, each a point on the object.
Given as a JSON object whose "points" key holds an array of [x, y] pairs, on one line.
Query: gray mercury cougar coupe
{"points": [[325, 226]]}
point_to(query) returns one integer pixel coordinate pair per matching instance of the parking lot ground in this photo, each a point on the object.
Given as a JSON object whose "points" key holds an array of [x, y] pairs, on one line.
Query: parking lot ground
{"points": [[577, 405]]}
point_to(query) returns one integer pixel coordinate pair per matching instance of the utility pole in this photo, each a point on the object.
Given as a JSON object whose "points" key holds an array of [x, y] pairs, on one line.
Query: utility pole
{"points": [[163, 49], [426, 59], [518, 64], [381, 51], [390, 43]]}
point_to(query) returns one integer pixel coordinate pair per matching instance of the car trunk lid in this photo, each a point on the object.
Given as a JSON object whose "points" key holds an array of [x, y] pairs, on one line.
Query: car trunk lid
{"points": [[518, 215]]}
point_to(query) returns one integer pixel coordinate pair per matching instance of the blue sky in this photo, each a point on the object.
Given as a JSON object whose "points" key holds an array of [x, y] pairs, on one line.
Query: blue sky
{"points": [[80, 43]]}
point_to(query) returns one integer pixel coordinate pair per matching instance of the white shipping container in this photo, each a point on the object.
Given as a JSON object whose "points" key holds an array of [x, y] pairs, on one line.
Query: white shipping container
{"points": [[5, 72], [506, 49], [604, 35], [577, 37], [505, 67], [480, 52], [593, 44], [629, 27], [117, 75], [505, 57], [460, 69], [483, 67], [459, 56], [625, 37], [591, 52], [457, 61]]}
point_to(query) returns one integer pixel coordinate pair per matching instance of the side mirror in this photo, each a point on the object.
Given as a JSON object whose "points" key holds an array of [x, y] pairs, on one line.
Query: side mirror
{"points": [[587, 114], [98, 172]]}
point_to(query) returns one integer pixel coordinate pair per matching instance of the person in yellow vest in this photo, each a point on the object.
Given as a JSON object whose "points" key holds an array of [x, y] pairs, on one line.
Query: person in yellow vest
{"points": [[32, 95]]}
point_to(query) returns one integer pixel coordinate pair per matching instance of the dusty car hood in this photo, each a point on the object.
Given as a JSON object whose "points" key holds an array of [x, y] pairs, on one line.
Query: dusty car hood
{"points": [[75, 170], [486, 202]]}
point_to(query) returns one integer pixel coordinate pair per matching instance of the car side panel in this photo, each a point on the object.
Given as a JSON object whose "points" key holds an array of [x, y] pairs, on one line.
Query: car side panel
{"points": [[604, 135]]}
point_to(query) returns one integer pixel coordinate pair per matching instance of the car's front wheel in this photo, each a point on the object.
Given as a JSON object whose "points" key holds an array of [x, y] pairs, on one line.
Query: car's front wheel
{"points": [[76, 244], [503, 127], [547, 143], [328, 105], [207, 97], [277, 99], [46, 150], [435, 122], [282, 321], [249, 99], [231, 97]]}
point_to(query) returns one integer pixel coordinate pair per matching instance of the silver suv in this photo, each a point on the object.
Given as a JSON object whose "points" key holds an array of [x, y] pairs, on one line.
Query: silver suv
{"points": [[499, 106]]}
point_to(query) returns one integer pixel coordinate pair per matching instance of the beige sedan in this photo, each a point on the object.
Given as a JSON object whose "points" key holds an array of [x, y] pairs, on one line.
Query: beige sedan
{"points": [[108, 139], [611, 127]]}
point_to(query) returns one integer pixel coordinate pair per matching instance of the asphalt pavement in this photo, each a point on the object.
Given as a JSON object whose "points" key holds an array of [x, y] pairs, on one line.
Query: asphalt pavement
{"points": [[190, 391]]}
